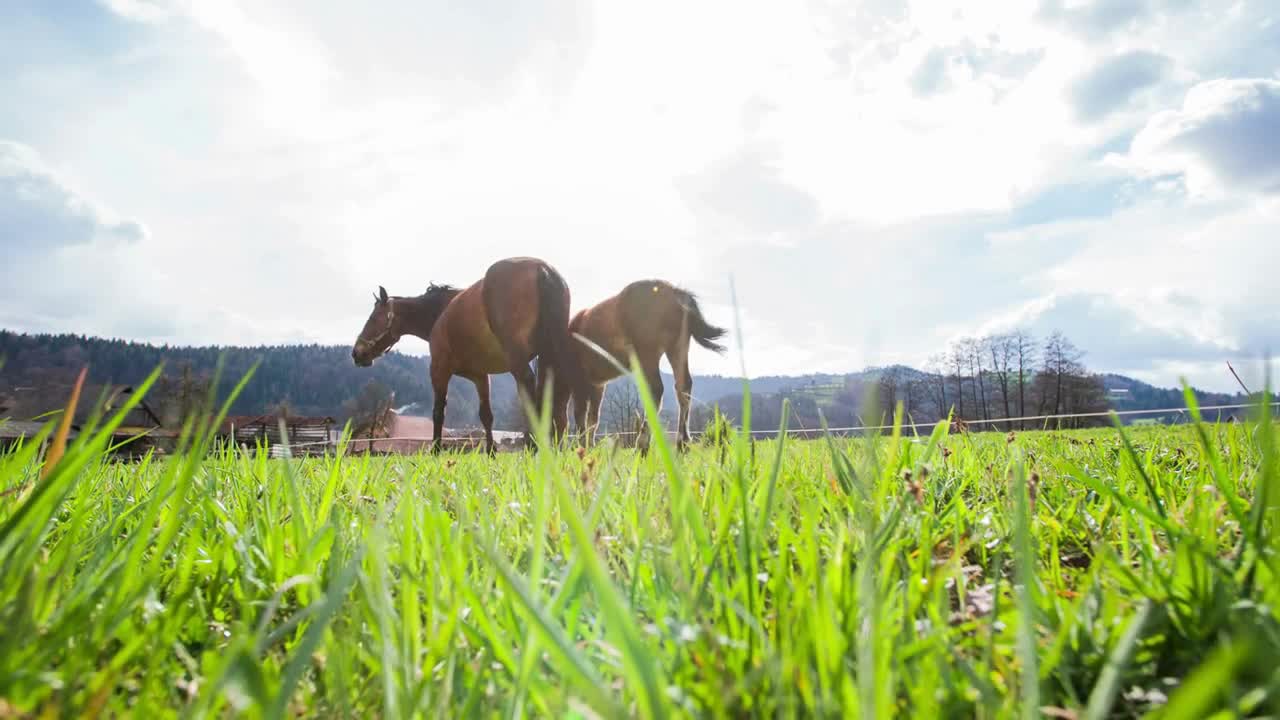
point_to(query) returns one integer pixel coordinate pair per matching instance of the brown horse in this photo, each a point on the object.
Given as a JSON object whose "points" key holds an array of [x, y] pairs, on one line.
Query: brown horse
{"points": [[519, 310], [651, 318]]}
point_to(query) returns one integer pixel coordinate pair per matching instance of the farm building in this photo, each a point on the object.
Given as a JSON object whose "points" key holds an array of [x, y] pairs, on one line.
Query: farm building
{"points": [[409, 434], [403, 435], [303, 435], [24, 411], [13, 432]]}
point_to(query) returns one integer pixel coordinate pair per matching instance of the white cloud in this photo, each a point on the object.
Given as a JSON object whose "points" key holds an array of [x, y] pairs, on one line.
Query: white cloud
{"points": [[1096, 19], [1157, 286], [41, 211], [141, 10], [1126, 331], [1222, 138], [66, 256], [1112, 83]]}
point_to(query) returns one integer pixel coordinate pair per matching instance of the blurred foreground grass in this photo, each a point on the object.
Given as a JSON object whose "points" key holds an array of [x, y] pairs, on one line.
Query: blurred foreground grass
{"points": [[1082, 574]]}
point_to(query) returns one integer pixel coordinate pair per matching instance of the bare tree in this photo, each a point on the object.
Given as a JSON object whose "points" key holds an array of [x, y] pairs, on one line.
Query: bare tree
{"points": [[1065, 386], [955, 359], [177, 398], [371, 411], [1023, 349], [916, 398], [972, 350], [1061, 360], [1001, 349], [1084, 392], [888, 387], [621, 409], [938, 385]]}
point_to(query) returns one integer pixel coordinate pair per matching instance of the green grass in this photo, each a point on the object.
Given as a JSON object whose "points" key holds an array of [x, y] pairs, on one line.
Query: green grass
{"points": [[1084, 574]]}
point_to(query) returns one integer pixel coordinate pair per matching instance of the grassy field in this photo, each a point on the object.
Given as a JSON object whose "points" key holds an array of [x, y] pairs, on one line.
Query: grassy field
{"points": [[1079, 574]]}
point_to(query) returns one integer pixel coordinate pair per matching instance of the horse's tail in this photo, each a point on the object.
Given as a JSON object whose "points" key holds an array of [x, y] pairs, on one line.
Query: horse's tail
{"points": [[554, 343], [703, 332]]}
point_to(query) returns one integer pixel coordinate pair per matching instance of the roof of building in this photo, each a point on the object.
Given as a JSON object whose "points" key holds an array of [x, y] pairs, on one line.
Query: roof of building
{"points": [[273, 420], [14, 429], [38, 404], [414, 426]]}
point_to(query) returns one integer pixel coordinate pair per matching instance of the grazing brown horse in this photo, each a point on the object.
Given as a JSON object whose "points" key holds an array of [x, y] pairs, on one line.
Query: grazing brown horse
{"points": [[651, 318], [518, 311]]}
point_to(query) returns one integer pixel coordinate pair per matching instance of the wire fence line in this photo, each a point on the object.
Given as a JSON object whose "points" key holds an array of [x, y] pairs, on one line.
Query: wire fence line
{"points": [[1181, 411], [990, 421]]}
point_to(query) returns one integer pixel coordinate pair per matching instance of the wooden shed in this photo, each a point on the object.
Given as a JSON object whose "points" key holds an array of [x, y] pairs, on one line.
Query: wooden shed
{"points": [[303, 434], [27, 409]]}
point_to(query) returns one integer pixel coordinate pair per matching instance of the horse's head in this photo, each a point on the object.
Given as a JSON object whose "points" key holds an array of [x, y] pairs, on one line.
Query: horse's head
{"points": [[381, 331]]}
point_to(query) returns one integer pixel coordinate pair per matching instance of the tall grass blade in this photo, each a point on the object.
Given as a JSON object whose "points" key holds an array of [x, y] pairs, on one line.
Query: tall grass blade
{"points": [[1105, 690], [1025, 572], [1197, 695], [59, 444]]}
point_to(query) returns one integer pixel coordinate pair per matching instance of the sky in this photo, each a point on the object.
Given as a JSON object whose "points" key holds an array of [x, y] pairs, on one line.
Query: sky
{"points": [[842, 184]]}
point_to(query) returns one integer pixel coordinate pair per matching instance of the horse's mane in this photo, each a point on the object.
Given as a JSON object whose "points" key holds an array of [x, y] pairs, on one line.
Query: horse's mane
{"points": [[434, 290]]}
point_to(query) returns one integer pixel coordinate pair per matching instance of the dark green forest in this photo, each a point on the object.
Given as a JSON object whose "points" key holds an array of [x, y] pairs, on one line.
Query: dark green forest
{"points": [[308, 379]]}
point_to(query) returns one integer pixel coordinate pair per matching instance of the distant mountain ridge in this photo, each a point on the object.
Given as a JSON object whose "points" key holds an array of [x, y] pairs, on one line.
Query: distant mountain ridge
{"points": [[322, 380]]}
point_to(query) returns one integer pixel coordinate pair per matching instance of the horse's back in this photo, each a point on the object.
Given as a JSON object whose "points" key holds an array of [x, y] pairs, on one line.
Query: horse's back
{"points": [[511, 289], [499, 311], [651, 313], [602, 325], [463, 339]]}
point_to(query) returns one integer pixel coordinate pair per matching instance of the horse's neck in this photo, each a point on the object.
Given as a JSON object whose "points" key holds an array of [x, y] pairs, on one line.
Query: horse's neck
{"points": [[421, 314]]}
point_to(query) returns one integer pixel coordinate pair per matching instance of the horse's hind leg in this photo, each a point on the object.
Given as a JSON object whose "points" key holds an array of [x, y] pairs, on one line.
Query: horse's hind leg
{"points": [[679, 359], [518, 363], [559, 398], [587, 412], [580, 405], [653, 377], [486, 412]]}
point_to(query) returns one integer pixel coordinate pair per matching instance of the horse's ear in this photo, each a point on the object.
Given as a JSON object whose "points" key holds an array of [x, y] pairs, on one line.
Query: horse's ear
{"points": [[382, 294]]}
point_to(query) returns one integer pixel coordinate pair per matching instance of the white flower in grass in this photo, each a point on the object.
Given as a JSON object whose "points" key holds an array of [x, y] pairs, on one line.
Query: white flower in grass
{"points": [[152, 606], [676, 694], [730, 642]]}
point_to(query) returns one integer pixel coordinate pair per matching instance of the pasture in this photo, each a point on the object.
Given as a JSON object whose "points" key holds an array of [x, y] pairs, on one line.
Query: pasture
{"points": [[1083, 574]]}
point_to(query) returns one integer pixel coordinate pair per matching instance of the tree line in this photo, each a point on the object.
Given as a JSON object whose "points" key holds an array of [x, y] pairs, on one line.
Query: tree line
{"points": [[305, 379], [988, 378], [1013, 375]]}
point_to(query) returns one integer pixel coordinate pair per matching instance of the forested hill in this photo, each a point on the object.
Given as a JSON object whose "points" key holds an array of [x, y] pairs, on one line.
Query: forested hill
{"points": [[311, 379], [322, 380], [1130, 394]]}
